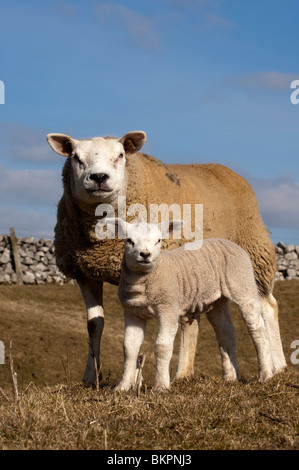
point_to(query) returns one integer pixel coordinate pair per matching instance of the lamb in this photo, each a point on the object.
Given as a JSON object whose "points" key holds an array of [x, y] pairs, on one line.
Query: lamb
{"points": [[185, 282], [101, 170]]}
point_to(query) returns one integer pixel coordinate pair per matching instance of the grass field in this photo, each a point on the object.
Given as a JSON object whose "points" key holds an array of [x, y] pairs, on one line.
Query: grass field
{"points": [[47, 326]]}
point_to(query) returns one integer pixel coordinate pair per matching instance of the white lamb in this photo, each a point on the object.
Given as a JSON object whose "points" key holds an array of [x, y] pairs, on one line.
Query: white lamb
{"points": [[180, 283]]}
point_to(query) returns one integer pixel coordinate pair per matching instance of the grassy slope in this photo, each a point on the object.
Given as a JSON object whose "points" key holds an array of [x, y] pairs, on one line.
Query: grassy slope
{"points": [[48, 329]]}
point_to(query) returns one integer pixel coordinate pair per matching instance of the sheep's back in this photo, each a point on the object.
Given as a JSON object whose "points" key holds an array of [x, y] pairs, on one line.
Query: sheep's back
{"points": [[203, 276], [229, 211]]}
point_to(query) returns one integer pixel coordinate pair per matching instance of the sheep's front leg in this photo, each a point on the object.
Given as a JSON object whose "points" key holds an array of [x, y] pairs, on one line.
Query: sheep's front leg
{"points": [[134, 335], [168, 325], [92, 292], [189, 333]]}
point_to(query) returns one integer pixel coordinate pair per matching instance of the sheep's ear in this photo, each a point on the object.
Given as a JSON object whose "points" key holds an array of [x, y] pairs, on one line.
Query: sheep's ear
{"points": [[119, 224], [133, 141], [61, 144], [171, 227]]}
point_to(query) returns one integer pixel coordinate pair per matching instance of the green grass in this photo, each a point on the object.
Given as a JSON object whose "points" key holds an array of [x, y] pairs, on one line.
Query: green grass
{"points": [[48, 328]]}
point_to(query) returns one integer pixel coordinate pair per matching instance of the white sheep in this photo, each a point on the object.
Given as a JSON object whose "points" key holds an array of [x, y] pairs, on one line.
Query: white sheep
{"points": [[185, 282], [100, 171]]}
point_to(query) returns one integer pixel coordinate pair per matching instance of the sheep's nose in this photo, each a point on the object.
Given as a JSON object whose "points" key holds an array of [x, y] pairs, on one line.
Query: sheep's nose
{"points": [[99, 177], [144, 255]]}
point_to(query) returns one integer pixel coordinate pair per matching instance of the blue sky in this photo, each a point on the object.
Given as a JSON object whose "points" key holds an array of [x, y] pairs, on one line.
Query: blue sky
{"points": [[208, 80]]}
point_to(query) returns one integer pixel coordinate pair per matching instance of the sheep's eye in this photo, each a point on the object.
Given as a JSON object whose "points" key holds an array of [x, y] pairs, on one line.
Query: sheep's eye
{"points": [[158, 241], [120, 156], [130, 241], [81, 164]]}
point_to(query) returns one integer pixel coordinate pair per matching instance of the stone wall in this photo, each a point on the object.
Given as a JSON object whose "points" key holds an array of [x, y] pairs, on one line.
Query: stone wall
{"points": [[37, 262], [39, 266], [287, 257]]}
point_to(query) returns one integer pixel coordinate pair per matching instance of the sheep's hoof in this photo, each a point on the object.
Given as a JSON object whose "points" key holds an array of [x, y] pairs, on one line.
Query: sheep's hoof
{"points": [[266, 375], [90, 381], [231, 377], [161, 388]]}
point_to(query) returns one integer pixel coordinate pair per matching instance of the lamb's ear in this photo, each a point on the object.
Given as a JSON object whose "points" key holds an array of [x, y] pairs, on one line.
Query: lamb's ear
{"points": [[133, 141], [61, 144], [119, 224], [171, 226]]}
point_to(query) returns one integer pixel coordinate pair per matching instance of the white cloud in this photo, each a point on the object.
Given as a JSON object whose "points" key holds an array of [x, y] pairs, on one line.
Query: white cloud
{"points": [[206, 12], [278, 200], [65, 9], [139, 27], [25, 144], [265, 80], [26, 222], [30, 187], [216, 20]]}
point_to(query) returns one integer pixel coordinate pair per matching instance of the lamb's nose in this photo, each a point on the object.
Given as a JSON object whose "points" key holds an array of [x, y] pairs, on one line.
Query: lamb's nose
{"points": [[99, 177], [144, 255]]}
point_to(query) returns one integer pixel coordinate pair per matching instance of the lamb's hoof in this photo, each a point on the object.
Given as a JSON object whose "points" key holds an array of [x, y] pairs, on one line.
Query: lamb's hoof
{"points": [[183, 375], [123, 387]]}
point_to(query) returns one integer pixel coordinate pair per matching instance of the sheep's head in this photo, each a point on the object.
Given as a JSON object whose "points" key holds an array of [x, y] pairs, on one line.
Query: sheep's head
{"points": [[98, 164], [143, 241]]}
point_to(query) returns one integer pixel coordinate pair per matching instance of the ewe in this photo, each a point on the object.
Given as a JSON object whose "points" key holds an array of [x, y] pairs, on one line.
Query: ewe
{"points": [[98, 171], [185, 282]]}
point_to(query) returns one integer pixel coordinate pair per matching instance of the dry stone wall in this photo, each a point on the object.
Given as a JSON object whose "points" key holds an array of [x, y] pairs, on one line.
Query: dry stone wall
{"points": [[38, 263], [287, 257]]}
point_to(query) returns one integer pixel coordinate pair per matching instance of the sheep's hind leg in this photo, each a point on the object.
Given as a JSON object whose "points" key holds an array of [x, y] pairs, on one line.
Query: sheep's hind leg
{"points": [[251, 312], [134, 335], [270, 316], [92, 292], [187, 350], [221, 321]]}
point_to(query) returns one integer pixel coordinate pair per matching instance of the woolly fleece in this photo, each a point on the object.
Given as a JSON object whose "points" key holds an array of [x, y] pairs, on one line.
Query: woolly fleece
{"points": [[230, 211]]}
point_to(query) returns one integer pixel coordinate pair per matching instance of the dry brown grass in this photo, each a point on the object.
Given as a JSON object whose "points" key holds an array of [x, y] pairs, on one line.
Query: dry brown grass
{"points": [[47, 326]]}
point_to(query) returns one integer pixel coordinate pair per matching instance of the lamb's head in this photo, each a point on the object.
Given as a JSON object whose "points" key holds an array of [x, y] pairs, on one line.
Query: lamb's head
{"points": [[98, 164], [143, 241]]}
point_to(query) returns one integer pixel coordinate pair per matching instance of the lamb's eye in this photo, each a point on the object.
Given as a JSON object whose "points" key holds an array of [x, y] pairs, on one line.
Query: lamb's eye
{"points": [[130, 241], [158, 241]]}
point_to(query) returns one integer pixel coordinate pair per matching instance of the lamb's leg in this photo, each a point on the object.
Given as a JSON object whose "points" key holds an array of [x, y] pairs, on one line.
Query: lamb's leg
{"points": [[134, 335], [270, 316], [221, 321], [251, 312], [92, 292], [188, 343], [168, 325]]}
